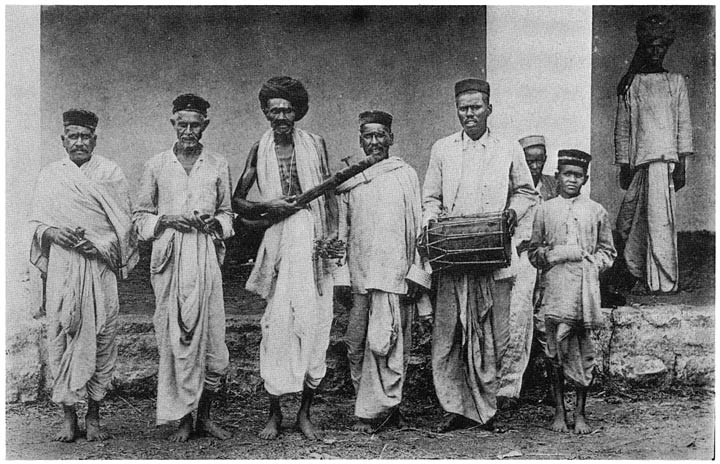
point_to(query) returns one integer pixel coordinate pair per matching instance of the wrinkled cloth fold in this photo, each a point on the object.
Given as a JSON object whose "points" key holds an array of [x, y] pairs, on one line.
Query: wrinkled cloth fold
{"points": [[646, 222], [297, 285], [81, 293], [185, 274]]}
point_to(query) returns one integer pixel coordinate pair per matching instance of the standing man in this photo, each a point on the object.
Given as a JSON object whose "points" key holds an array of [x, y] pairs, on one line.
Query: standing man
{"points": [[184, 208], [472, 172], [296, 283], [517, 355], [82, 242], [380, 217], [653, 136]]}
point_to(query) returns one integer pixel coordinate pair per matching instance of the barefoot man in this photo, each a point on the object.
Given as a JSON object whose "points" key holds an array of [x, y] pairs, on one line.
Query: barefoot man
{"points": [[380, 217], [473, 172], [184, 208], [297, 285], [82, 242]]}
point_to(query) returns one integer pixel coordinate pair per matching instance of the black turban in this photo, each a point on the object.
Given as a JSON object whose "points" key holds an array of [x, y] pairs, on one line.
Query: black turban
{"points": [[288, 89], [654, 27], [82, 118]]}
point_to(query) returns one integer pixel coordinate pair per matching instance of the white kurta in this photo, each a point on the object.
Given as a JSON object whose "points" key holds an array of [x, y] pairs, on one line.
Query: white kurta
{"points": [[651, 129], [380, 218], [185, 275], [471, 316]]}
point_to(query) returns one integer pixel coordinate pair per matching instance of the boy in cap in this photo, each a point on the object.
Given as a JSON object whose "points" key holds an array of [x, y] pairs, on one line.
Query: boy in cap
{"points": [[571, 244], [82, 241], [380, 216], [183, 207]]}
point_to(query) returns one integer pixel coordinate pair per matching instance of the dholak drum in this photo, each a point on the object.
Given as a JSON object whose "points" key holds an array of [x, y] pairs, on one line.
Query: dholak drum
{"points": [[478, 243]]}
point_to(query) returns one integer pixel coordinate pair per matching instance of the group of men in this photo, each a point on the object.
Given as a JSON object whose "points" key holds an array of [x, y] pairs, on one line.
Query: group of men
{"points": [[483, 322]]}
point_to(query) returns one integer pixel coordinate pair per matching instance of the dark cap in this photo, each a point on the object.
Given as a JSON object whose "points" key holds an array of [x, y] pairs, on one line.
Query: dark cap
{"points": [[83, 118], [574, 158], [376, 117], [190, 102], [472, 84]]}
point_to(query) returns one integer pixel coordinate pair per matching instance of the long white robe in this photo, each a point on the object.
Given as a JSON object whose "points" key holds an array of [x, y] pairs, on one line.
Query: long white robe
{"points": [[81, 294], [185, 275], [652, 128], [297, 286], [471, 315]]}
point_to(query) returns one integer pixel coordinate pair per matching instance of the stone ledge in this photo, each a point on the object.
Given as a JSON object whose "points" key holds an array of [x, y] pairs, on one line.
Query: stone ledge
{"points": [[673, 343]]}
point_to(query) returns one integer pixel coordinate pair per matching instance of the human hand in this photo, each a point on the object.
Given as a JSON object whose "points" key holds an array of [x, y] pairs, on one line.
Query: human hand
{"points": [[414, 290], [626, 176], [176, 221], [564, 253], [282, 207], [510, 217], [63, 236], [678, 174], [87, 248], [206, 223]]}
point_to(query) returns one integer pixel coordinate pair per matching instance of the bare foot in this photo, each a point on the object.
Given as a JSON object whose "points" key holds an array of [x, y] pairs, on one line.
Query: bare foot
{"points": [[206, 427], [93, 430], [69, 431], [581, 426], [307, 427], [182, 434], [455, 422], [272, 428], [558, 424], [363, 426]]}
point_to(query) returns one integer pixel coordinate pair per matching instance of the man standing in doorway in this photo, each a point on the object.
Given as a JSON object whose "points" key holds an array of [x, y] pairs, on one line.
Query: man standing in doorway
{"points": [[653, 138]]}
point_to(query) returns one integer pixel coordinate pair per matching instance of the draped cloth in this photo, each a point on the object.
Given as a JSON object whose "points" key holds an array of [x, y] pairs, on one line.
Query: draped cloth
{"points": [[82, 301], [523, 323], [297, 287], [186, 277], [380, 217], [646, 221]]}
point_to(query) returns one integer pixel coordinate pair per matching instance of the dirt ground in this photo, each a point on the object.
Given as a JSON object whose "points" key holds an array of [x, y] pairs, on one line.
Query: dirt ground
{"points": [[630, 422]]}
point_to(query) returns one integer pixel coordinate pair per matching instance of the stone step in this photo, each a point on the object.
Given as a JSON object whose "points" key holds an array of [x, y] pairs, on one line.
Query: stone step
{"points": [[663, 344]]}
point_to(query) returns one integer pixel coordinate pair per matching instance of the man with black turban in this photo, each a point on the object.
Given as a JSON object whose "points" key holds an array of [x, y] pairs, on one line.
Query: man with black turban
{"points": [[295, 281], [653, 135]]}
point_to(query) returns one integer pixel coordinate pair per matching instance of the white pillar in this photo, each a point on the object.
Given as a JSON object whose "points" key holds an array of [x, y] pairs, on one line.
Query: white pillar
{"points": [[539, 62], [22, 163]]}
